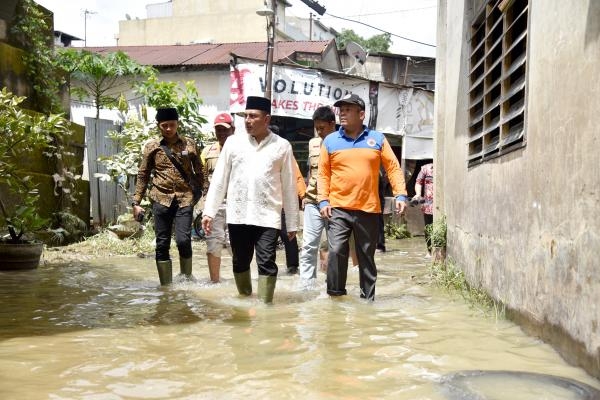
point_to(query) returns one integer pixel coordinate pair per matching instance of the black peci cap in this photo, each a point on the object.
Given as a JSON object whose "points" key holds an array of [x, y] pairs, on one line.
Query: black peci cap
{"points": [[167, 114], [258, 103]]}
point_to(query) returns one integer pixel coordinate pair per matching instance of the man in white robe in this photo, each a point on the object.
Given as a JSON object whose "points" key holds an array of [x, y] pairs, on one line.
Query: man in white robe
{"points": [[256, 173]]}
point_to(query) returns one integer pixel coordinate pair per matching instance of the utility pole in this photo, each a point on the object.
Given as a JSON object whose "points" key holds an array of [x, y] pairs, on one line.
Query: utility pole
{"points": [[268, 90], [271, 14], [310, 27], [85, 17]]}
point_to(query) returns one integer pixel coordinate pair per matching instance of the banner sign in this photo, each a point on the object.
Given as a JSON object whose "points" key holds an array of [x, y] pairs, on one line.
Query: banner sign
{"points": [[296, 92]]}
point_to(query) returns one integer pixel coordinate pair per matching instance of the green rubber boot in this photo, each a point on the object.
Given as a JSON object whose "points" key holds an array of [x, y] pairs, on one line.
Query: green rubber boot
{"points": [[243, 281], [266, 288], [185, 267], [165, 272]]}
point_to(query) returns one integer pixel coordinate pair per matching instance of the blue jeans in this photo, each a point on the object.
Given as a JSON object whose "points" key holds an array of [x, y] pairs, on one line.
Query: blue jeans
{"points": [[314, 225], [163, 228]]}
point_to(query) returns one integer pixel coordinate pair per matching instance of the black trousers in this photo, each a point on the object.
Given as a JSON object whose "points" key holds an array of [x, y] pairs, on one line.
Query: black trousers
{"points": [[292, 254], [381, 226], [428, 219], [341, 225], [163, 228], [245, 240]]}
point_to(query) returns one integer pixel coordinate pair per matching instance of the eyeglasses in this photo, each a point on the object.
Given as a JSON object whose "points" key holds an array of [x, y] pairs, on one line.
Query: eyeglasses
{"points": [[168, 125]]}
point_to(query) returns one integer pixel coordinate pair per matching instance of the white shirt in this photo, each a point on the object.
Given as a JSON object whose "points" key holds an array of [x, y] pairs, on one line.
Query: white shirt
{"points": [[258, 180]]}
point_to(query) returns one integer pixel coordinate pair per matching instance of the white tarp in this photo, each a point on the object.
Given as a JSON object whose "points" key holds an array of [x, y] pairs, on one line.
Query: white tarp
{"points": [[408, 112], [296, 92]]}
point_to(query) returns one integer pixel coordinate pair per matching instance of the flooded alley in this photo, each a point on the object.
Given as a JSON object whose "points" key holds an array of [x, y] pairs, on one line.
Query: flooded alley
{"points": [[104, 329]]}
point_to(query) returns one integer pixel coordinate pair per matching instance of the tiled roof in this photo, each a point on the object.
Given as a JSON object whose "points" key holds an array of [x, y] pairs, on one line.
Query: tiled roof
{"points": [[212, 54]]}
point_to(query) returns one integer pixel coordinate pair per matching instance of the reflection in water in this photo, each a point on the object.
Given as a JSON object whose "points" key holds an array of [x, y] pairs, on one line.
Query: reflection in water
{"points": [[106, 330]]}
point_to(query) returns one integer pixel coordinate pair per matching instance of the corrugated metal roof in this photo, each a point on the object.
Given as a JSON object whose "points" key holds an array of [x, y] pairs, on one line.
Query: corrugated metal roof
{"points": [[213, 54]]}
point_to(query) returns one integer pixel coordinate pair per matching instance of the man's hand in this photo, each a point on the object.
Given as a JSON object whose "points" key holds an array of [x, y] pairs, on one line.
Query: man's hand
{"points": [[136, 210], [326, 212], [207, 224], [291, 235], [400, 207], [304, 201]]}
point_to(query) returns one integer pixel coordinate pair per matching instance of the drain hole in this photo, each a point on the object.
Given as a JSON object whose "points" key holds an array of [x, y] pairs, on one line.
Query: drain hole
{"points": [[514, 385]]}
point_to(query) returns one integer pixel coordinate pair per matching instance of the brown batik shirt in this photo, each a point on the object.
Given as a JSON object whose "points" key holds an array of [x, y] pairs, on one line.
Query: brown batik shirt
{"points": [[167, 182]]}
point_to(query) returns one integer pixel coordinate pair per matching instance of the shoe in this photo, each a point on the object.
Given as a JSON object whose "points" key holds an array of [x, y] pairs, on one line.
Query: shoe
{"points": [[380, 249], [292, 270]]}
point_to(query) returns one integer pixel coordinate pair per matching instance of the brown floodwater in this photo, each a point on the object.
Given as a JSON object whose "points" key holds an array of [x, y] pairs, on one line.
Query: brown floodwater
{"points": [[104, 329]]}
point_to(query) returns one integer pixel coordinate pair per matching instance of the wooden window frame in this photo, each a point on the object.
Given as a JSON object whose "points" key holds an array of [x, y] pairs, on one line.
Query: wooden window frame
{"points": [[497, 79]]}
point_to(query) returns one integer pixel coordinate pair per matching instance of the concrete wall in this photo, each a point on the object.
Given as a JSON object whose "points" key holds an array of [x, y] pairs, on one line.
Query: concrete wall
{"points": [[212, 84], [229, 21], [524, 226], [12, 71]]}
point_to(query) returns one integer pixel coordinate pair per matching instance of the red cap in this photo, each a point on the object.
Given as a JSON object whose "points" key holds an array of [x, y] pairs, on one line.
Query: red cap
{"points": [[224, 119]]}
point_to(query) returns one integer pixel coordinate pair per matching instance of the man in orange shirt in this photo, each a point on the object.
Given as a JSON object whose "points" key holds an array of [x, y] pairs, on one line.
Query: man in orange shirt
{"points": [[348, 194]]}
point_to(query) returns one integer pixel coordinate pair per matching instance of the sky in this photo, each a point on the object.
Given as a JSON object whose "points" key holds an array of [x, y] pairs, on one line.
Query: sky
{"points": [[412, 19]]}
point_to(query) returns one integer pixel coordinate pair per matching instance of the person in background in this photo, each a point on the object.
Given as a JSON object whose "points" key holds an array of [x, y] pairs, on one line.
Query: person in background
{"points": [[218, 238], [314, 223], [171, 195], [291, 246], [382, 190], [256, 173], [424, 191], [348, 194]]}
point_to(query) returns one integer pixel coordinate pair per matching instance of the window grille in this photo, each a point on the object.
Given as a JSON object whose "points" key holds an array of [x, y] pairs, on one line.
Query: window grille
{"points": [[497, 79]]}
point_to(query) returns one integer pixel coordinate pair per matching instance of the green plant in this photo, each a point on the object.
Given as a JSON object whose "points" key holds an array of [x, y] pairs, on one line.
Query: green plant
{"points": [[450, 277], [124, 164], [32, 31], [186, 100], [375, 44], [23, 134], [97, 76], [393, 230], [66, 227], [437, 232]]}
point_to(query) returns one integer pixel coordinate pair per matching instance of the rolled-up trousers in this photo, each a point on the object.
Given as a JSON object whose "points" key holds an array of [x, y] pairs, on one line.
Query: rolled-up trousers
{"points": [[364, 225], [245, 240]]}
